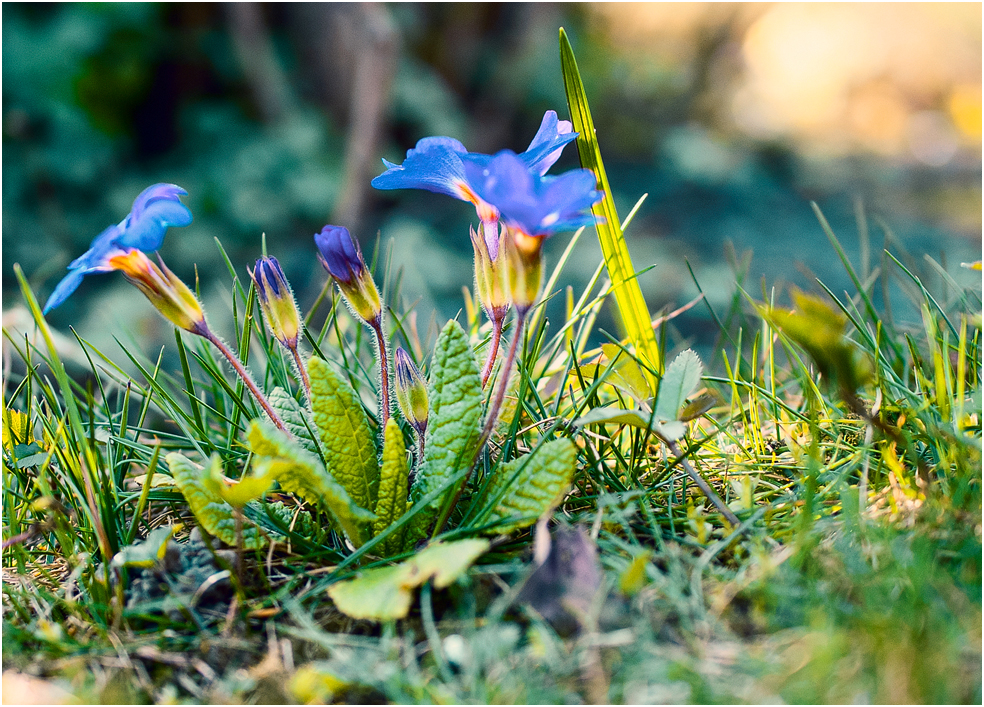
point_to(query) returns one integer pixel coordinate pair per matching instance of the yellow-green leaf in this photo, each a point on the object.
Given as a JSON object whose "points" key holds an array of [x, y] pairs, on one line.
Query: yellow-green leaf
{"points": [[148, 552], [301, 472], [632, 309], [386, 593], [670, 431], [213, 514], [633, 578], [346, 438], [237, 493], [455, 395], [392, 488], [525, 488]]}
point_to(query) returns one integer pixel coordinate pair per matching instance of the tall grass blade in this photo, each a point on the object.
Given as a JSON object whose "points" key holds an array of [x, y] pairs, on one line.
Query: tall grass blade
{"points": [[632, 309]]}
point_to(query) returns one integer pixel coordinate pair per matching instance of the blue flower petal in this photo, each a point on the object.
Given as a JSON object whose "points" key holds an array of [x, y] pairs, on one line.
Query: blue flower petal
{"points": [[340, 253], [147, 231], [63, 289], [434, 164], [155, 209], [548, 143], [539, 206], [153, 193]]}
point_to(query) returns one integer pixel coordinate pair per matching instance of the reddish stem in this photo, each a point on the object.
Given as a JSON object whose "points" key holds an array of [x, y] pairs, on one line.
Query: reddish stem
{"points": [[384, 397], [303, 372], [246, 378], [497, 323]]}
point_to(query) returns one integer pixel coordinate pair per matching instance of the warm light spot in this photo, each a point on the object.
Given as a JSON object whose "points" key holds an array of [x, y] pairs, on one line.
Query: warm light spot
{"points": [[877, 117], [965, 110]]}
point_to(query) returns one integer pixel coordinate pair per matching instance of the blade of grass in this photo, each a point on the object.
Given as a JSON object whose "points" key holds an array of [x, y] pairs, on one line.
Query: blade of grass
{"points": [[631, 305]]}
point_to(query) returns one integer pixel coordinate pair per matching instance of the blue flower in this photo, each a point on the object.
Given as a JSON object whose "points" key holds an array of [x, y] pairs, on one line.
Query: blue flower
{"points": [[435, 164], [155, 209], [340, 253], [533, 204], [342, 258]]}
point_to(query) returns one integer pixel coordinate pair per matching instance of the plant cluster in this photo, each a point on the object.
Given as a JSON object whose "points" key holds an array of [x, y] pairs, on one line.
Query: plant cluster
{"points": [[813, 508]]}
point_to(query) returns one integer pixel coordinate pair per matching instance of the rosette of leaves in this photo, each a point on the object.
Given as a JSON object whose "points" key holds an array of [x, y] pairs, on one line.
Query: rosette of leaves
{"points": [[331, 458]]}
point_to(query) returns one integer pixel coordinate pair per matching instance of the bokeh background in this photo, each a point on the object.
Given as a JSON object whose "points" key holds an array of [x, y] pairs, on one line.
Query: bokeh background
{"points": [[274, 117]]}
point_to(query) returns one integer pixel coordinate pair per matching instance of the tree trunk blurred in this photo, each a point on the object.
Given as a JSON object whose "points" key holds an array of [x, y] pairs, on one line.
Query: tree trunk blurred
{"points": [[375, 43]]}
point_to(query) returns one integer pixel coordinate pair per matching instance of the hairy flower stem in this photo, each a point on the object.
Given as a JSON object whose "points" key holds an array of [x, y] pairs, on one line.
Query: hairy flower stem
{"points": [[500, 393], [497, 323], [246, 378], [704, 486], [384, 388], [302, 371]]}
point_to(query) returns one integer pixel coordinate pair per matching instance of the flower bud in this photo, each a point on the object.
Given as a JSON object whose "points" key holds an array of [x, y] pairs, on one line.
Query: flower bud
{"points": [[524, 268], [342, 258], [488, 272], [277, 301], [411, 391], [163, 288]]}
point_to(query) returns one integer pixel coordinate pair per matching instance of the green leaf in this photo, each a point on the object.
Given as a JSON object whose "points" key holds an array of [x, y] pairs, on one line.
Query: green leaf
{"points": [[819, 329], [213, 514], [680, 380], [346, 439], [631, 305], [531, 485], [295, 418], [385, 593], [302, 473], [237, 493], [670, 431], [392, 488], [633, 578], [454, 426], [627, 374], [148, 552]]}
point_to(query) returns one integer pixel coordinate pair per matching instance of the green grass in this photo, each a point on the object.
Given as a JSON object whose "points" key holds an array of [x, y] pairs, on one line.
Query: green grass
{"points": [[855, 573]]}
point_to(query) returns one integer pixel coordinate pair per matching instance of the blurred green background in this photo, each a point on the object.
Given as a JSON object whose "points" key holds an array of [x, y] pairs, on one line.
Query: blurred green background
{"points": [[274, 117]]}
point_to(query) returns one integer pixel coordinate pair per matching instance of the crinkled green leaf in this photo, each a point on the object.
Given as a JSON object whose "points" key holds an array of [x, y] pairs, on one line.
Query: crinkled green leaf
{"points": [[295, 418], [148, 552], [454, 424], [542, 480], [346, 438], [212, 513], [301, 472], [385, 593], [670, 431], [392, 501], [294, 518], [680, 380]]}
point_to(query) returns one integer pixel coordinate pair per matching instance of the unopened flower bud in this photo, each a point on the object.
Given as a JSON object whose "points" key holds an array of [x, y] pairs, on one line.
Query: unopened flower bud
{"points": [[411, 391], [277, 301], [164, 289], [489, 272], [342, 258], [524, 268]]}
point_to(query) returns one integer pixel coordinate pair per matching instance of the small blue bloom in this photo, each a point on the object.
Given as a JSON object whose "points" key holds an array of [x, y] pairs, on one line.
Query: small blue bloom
{"points": [[532, 204], [435, 164], [340, 253], [155, 209], [342, 258]]}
